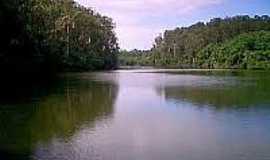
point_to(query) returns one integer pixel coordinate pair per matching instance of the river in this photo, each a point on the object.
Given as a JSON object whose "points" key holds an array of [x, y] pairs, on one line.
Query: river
{"points": [[149, 114]]}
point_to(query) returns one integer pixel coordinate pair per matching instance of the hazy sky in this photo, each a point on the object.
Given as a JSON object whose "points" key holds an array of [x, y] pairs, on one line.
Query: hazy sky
{"points": [[138, 22]]}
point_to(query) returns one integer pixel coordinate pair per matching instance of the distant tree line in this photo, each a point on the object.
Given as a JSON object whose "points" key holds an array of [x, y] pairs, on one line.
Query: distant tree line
{"points": [[54, 35], [186, 47], [134, 58]]}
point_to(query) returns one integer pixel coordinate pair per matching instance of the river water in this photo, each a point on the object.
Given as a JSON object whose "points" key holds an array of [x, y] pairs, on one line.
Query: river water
{"points": [[140, 115]]}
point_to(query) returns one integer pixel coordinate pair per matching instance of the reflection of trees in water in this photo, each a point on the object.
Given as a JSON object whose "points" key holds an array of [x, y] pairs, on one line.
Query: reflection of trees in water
{"points": [[70, 105], [243, 95]]}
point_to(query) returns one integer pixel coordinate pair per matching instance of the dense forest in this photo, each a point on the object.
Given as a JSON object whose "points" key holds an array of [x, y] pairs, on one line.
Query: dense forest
{"points": [[220, 43], [38, 36], [247, 51], [135, 58]]}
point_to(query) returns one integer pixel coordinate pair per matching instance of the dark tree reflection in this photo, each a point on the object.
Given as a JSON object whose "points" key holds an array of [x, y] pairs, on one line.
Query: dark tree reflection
{"points": [[57, 113]]}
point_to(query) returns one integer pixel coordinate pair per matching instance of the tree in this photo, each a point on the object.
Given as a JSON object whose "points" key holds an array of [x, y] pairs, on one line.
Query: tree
{"points": [[181, 46], [55, 35]]}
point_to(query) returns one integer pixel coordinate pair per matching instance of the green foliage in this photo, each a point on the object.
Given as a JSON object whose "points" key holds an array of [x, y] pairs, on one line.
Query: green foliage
{"points": [[247, 51], [180, 47], [55, 34], [134, 57]]}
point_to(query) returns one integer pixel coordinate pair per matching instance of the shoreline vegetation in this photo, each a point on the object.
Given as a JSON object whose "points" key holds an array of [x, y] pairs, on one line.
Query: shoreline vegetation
{"points": [[41, 37], [44, 36], [155, 69], [239, 42]]}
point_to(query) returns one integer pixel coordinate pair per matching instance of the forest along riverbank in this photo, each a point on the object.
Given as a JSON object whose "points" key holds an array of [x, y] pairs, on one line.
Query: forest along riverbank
{"points": [[239, 42], [41, 36]]}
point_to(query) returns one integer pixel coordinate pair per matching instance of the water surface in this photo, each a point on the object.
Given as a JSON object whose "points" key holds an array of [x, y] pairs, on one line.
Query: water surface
{"points": [[140, 115]]}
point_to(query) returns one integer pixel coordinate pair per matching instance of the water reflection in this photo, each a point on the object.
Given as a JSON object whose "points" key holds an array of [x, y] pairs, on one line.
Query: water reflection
{"points": [[130, 115], [64, 110], [229, 91]]}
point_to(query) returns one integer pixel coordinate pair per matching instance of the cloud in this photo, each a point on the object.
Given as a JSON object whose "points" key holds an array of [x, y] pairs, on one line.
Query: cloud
{"points": [[139, 21]]}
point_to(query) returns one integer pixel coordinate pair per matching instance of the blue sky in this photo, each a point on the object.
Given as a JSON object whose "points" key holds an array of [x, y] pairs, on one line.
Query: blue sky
{"points": [[138, 22]]}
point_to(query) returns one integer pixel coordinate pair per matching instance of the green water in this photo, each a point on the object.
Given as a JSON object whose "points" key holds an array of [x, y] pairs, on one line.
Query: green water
{"points": [[139, 115]]}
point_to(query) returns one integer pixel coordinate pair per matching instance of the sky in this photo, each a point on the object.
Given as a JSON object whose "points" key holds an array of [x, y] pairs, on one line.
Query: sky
{"points": [[138, 22]]}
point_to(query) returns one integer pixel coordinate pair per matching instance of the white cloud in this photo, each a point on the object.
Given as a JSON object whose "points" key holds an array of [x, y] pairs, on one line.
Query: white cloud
{"points": [[139, 21]]}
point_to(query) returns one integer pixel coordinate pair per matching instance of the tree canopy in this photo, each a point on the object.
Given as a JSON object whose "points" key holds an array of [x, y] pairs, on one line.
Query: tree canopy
{"points": [[186, 47], [247, 51], [55, 35]]}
